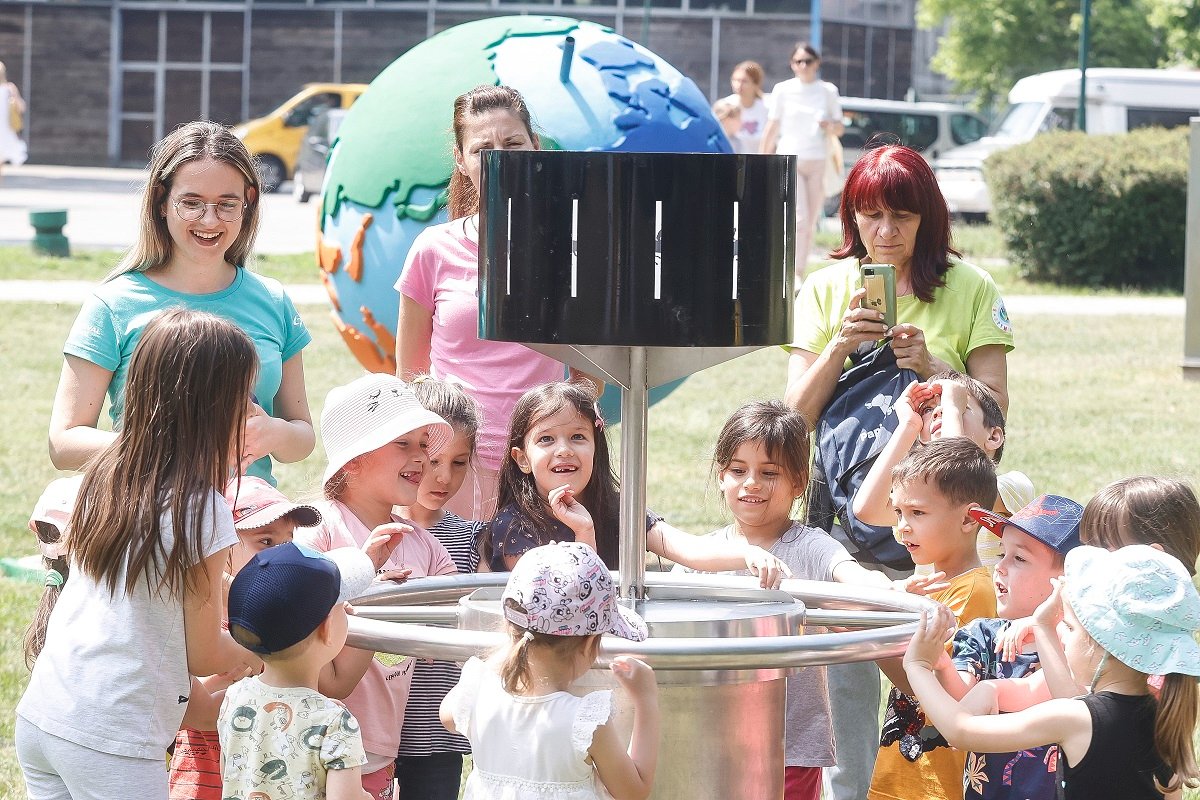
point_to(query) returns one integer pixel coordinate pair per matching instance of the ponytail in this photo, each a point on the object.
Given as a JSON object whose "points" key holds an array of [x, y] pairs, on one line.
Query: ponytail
{"points": [[35, 636], [1174, 727], [515, 674]]}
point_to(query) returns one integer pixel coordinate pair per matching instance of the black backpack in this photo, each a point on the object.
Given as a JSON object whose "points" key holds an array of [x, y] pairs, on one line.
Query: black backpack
{"points": [[854, 427]]}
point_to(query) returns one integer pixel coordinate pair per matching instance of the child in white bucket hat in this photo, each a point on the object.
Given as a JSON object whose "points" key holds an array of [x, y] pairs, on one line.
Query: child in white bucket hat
{"points": [[1126, 614], [378, 440], [559, 601]]}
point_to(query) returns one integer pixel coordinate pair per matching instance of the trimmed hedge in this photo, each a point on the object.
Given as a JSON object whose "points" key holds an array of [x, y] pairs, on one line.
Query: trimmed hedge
{"points": [[1094, 210]]}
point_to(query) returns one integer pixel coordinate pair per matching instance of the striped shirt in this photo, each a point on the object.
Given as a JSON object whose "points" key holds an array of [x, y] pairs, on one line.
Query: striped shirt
{"points": [[423, 733]]}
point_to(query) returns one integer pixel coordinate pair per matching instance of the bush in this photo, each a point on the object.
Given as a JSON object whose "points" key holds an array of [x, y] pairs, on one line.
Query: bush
{"points": [[1094, 210]]}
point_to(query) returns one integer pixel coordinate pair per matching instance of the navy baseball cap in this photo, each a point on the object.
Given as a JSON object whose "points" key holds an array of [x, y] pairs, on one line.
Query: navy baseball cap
{"points": [[285, 592], [1051, 519]]}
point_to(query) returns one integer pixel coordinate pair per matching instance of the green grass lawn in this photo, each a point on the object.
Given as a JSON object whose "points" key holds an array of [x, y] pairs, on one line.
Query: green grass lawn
{"points": [[1093, 399]]}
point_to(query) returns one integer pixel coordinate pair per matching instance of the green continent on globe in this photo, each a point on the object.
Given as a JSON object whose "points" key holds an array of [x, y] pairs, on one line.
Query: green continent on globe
{"points": [[413, 113]]}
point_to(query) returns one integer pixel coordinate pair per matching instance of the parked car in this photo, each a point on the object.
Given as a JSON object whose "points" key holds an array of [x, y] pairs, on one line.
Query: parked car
{"points": [[275, 138], [928, 128], [1118, 100], [314, 153]]}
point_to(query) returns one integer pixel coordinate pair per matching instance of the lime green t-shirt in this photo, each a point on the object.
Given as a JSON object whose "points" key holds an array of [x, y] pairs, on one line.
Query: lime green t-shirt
{"points": [[967, 313]]}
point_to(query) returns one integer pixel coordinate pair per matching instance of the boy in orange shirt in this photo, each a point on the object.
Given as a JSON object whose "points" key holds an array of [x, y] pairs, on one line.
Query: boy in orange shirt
{"points": [[934, 488]]}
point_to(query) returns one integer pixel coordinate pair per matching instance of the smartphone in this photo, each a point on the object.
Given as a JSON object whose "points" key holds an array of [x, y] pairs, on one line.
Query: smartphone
{"points": [[880, 283]]}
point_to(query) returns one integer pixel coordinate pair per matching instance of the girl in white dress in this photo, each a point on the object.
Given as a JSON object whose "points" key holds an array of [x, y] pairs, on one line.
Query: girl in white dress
{"points": [[531, 738]]}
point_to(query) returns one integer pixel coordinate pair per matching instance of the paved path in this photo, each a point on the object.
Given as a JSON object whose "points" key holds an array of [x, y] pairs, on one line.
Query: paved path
{"points": [[103, 208], [1019, 305]]}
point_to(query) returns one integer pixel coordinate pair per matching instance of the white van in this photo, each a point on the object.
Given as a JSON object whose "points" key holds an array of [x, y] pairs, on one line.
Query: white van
{"points": [[929, 128], [1118, 100]]}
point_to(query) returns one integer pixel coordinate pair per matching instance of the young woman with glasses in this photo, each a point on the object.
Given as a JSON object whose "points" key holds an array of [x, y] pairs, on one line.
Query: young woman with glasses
{"points": [[200, 214], [803, 113]]}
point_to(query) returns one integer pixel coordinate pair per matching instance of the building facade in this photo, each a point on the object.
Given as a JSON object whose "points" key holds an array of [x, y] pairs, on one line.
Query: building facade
{"points": [[104, 79]]}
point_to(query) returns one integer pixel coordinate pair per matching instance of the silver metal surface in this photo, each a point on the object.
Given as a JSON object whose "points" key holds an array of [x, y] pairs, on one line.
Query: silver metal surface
{"points": [[839, 604], [631, 585]]}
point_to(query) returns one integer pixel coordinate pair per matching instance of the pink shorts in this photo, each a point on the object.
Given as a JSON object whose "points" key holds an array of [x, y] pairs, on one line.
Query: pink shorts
{"points": [[380, 784], [802, 783]]}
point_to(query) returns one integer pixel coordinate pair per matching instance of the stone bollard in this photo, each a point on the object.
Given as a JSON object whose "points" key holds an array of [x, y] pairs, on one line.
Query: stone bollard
{"points": [[48, 239]]}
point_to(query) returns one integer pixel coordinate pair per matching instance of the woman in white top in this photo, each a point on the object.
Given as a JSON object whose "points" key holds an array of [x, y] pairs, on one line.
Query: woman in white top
{"points": [[804, 113], [12, 147], [747, 97]]}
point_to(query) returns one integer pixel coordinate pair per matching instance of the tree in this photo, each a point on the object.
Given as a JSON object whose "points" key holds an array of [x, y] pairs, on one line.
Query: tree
{"points": [[990, 44]]}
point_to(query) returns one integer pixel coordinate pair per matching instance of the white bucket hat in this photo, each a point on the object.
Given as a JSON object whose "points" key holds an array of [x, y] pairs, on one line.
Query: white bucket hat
{"points": [[366, 414], [1139, 604]]}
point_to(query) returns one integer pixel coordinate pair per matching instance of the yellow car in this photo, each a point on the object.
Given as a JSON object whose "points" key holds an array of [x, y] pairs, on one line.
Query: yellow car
{"points": [[275, 139]]}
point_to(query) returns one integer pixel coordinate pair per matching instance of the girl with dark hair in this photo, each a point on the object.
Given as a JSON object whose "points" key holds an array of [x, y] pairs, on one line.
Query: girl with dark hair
{"points": [[558, 485], [148, 540], [438, 331], [804, 113], [200, 214]]}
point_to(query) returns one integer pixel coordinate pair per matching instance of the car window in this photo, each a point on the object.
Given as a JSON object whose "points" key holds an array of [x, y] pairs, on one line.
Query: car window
{"points": [[1017, 121], [1059, 119], [1157, 117], [303, 112], [918, 131], [966, 128]]}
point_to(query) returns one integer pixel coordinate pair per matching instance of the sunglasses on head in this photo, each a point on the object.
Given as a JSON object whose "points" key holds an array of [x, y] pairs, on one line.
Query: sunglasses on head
{"points": [[804, 62], [47, 532]]}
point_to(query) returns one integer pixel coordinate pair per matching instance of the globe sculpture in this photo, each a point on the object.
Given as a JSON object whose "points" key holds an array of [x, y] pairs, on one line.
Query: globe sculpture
{"points": [[587, 88]]}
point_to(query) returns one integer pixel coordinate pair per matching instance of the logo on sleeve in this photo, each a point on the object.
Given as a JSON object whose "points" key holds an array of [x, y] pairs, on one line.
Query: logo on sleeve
{"points": [[1000, 316]]}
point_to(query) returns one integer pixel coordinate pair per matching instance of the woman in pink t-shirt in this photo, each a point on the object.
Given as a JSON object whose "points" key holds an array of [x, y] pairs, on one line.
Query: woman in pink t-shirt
{"points": [[439, 303]]}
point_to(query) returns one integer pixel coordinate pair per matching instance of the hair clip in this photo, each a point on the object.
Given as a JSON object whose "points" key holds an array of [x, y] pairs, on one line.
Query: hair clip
{"points": [[54, 578], [527, 636], [599, 419]]}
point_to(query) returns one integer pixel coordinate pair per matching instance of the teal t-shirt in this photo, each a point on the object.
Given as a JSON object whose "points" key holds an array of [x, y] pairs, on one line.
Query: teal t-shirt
{"points": [[112, 320], [967, 313]]}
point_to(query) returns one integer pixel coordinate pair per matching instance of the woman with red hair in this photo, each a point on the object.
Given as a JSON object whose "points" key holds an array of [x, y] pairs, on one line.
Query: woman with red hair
{"points": [[949, 315]]}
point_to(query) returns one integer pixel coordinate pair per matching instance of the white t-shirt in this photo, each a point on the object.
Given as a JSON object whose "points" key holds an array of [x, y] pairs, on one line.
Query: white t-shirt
{"points": [[800, 108], [113, 675], [754, 121]]}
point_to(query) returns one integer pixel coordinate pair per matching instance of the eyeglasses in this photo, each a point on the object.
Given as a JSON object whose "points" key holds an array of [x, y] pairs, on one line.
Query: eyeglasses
{"points": [[191, 209], [803, 62]]}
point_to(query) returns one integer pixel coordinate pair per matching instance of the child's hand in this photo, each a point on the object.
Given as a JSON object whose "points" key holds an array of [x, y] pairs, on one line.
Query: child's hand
{"points": [[1014, 637], [383, 541], [255, 436], [1050, 612], [570, 511], [397, 574], [917, 400], [922, 584], [769, 569], [636, 677], [928, 646]]}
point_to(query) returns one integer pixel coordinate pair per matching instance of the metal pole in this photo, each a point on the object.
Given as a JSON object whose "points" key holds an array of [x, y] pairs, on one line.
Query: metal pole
{"points": [[632, 562], [814, 25], [1191, 260], [1084, 36]]}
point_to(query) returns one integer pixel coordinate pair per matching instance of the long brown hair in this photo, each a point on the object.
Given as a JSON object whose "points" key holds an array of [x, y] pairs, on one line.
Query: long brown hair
{"points": [[195, 141], [1174, 727], [464, 195], [1145, 510], [186, 397]]}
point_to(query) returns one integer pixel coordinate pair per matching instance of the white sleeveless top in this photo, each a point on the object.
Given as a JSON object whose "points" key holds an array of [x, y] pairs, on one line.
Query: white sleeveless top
{"points": [[527, 748]]}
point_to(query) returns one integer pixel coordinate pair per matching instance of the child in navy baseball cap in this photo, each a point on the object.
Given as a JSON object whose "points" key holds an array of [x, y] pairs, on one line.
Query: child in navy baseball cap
{"points": [[289, 604]]}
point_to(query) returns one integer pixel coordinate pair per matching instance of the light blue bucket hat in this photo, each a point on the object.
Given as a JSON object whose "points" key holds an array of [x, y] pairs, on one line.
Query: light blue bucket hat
{"points": [[1139, 604]]}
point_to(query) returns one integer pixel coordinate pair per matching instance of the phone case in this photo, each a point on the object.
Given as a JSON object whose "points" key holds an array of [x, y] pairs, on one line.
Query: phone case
{"points": [[880, 283]]}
